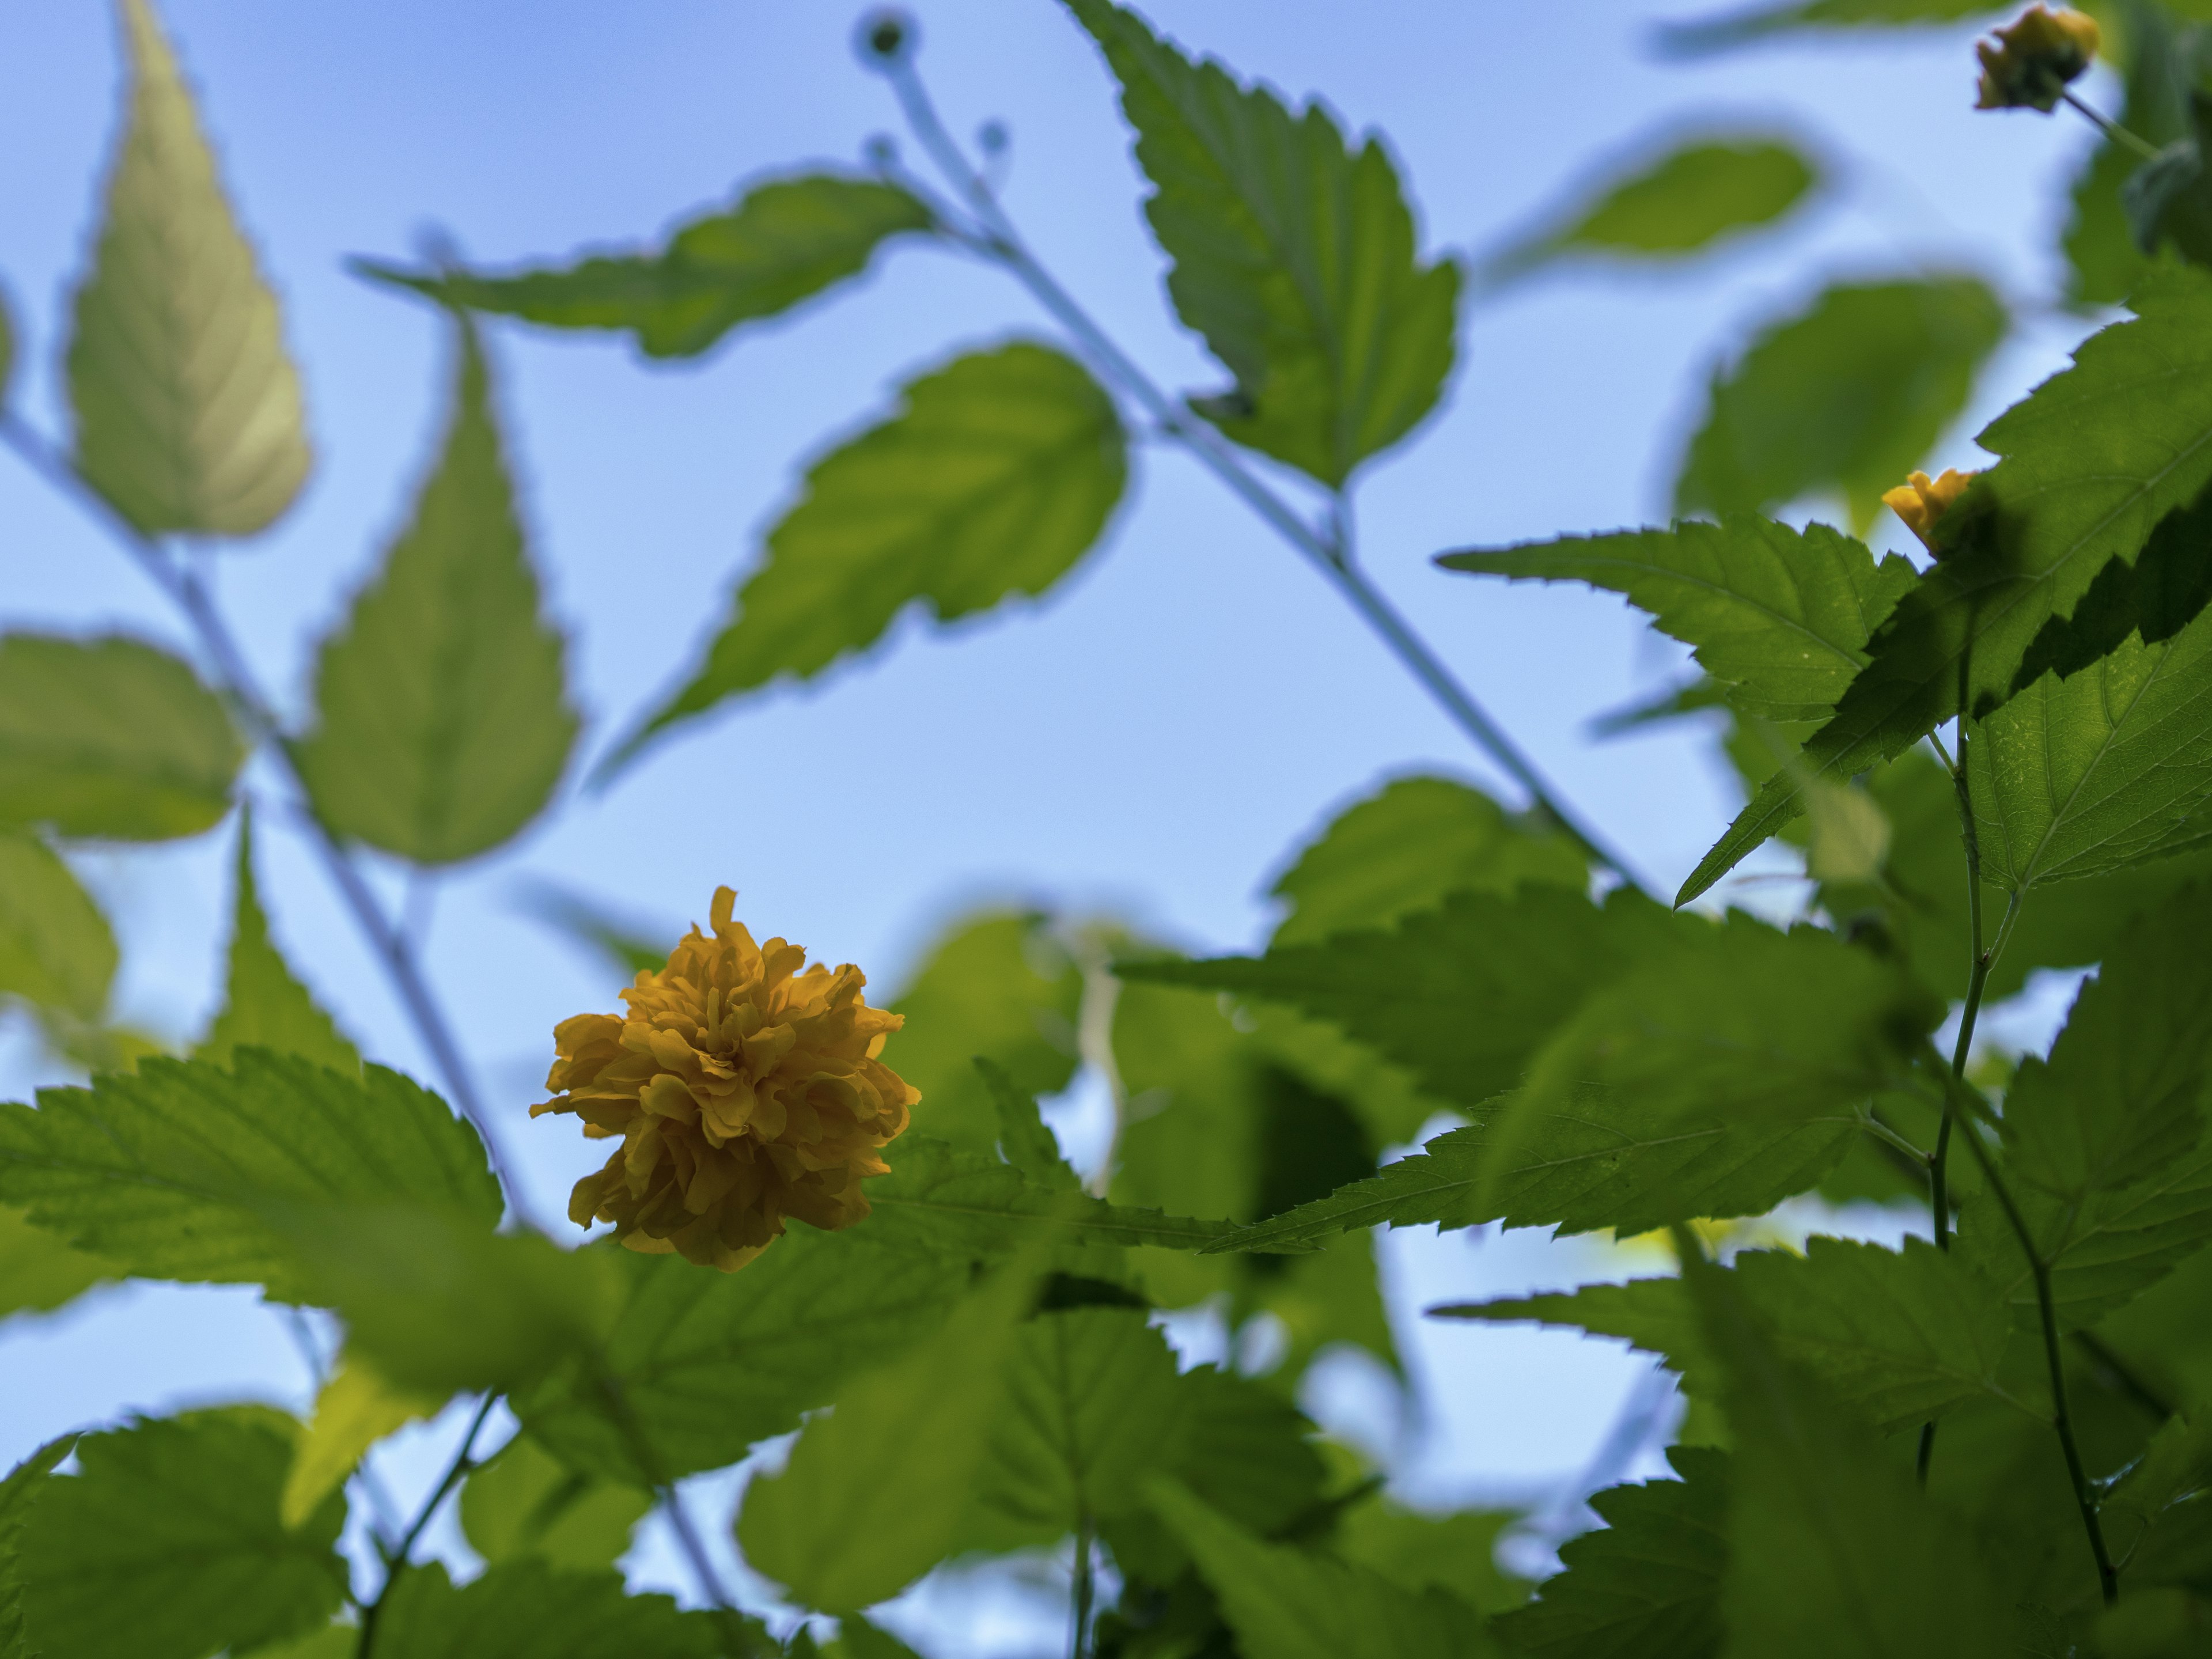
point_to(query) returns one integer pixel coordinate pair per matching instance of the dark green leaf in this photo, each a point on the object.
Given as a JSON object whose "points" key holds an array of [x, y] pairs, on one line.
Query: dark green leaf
{"points": [[22, 1489], [111, 738], [39, 1271], [1700, 192], [2168, 200], [56, 950], [2155, 1517], [1846, 398], [936, 1198], [525, 1505], [167, 1544], [1294, 256], [528, 1610], [2100, 244], [859, 1639], [996, 476], [1648, 1583], [264, 1005], [1780, 615], [182, 1169], [188, 411], [442, 715], [785, 241], [1024, 1139]]}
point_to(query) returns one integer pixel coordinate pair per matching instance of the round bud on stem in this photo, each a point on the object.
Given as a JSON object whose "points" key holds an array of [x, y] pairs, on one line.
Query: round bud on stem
{"points": [[885, 37]]}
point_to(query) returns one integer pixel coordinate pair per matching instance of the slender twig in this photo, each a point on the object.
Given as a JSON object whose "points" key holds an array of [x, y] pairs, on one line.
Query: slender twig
{"points": [[985, 229], [2111, 129], [1958, 1097], [240, 688], [400, 1557], [1084, 1588]]}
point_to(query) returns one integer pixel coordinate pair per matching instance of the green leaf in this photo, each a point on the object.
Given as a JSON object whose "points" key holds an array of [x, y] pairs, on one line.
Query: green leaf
{"points": [[1293, 256], [1755, 22], [859, 1639], [353, 1410], [187, 1170], [188, 411], [1407, 847], [525, 1505], [1702, 190], [56, 950], [995, 476], [443, 722], [39, 1272], [1897, 1337], [1782, 616], [1455, 1552], [997, 985], [2100, 244], [616, 940], [1024, 1139], [936, 1198], [785, 241], [111, 738], [1832, 1553], [528, 1610], [874, 1492], [1648, 1582], [25, 1484], [1287, 1604], [168, 1545], [7, 349], [2091, 462], [264, 1005]]}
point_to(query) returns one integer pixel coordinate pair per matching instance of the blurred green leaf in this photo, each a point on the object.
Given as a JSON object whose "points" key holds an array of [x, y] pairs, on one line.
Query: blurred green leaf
{"points": [[8, 352], [1455, 1552], [167, 1543], [995, 476], [2100, 244], [56, 950], [443, 723], [181, 1169], [622, 944], [1848, 396], [111, 738], [2168, 200], [525, 1505], [528, 1610], [264, 1005], [785, 241], [1024, 1141], [2156, 1513], [1781, 616], [355, 1409], [939, 1198], [188, 411], [998, 985], [25, 1484], [1648, 1582], [1699, 191], [859, 1639], [40, 1271], [1755, 22], [1293, 255]]}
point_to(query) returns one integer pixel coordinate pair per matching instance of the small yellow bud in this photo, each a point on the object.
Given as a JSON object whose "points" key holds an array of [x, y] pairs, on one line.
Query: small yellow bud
{"points": [[1920, 501], [2032, 59]]}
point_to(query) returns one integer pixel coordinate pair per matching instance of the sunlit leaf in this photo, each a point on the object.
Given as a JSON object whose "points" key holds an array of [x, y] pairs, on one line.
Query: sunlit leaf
{"points": [[528, 1610], [442, 719], [111, 738], [264, 1005], [56, 950], [168, 1544], [40, 1271], [995, 476], [353, 1410], [1024, 1140], [525, 1504], [785, 241], [1293, 254], [188, 411]]}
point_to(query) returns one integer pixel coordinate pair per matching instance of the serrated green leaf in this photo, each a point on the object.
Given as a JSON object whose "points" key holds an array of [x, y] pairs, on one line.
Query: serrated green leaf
{"points": [[1648, 1582], [1408, 846], [1847, 396], [528, 1610], [1293, 256], [442, 717], [264, 1005], [1702, 190], [785, 241], [1832, 1555], [996, 984], [938, 1198], [2156, 1516], [2090, 463], [1283, 1602], [168, 1544], [996, 476], [111, 738], [40, 1271], [524, 1504], [182, 1169], [56, 950], [1024, 1139], [1781, 616], [873, 1494], [353, 1410], [1897, 1337], [19, 1492], [188, 411]]}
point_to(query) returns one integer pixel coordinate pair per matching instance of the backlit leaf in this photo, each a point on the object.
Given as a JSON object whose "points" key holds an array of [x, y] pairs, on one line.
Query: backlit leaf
{"points": [[936, 1198], [995, 476], [1455, 1552], [442, 719], [56, 950], [353, 1410], [188, 411], [525, 1505], [264, 1005], [1024, 1140], [1293, 256], [168, 1544], [111, 738], [2099, 243], [22, 1490], [40, 1271], [528, 1610], [785, 240]]}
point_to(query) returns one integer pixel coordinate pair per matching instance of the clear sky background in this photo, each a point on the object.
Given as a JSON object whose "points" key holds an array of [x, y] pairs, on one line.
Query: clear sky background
{"points": [[1156, 737]]}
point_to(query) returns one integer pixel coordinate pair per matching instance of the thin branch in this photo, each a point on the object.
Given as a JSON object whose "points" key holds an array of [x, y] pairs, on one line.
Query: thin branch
{"points": [[1083, 1590], [400, 1557], [2111, 129]]}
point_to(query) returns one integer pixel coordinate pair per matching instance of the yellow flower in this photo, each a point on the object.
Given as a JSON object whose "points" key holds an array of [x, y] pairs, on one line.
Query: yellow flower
{"points": [[1920, 501], [2031, 61], [744, 1091]]}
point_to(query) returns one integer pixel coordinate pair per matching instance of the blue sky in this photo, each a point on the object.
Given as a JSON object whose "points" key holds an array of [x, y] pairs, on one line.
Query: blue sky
{"points": [[1157, 735]]}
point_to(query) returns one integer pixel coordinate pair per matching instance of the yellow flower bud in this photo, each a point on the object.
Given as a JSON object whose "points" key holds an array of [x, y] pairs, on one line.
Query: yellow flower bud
{"points": [[1920, 501], [2032, 59], [744, 1091]]}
